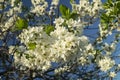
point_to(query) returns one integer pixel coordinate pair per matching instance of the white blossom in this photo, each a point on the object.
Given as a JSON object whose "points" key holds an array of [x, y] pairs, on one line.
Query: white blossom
{"points": [[106, 64], [112, 74], [58, 21], [39, 6], [65, 44], [55, 2]]}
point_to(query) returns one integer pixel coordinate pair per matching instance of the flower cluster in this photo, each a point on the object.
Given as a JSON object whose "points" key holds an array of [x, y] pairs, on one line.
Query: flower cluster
{"points": [[39, 6], [85, 7], [62, 41], [53, 7], [60, 46], [106, 63], [109, 48], [112, 74], [8, 17]]}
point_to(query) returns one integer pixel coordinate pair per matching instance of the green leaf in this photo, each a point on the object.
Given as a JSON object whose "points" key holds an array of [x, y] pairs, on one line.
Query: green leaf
{"points": [[102, 21], [49, 29], [21, 24], [118, 7], [108, 4], [31, 46], [109, 1], [104, 17], [28, 56], [74, 15], [65, 11], [105, 20], [105, 26]]}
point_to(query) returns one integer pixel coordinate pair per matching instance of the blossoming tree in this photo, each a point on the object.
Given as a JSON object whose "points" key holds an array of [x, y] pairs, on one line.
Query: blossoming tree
{"points": [[47, 41]]}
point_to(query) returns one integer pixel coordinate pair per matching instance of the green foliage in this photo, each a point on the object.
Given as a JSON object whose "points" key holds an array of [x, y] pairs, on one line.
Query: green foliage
{"points": [[105, 20], [66, 13], [112, 11], [109, 1], [74, 15], [108, 5], [49, 29], [114, 5], [28, 56], [118, 7], [32, 46], [21, 24]]}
